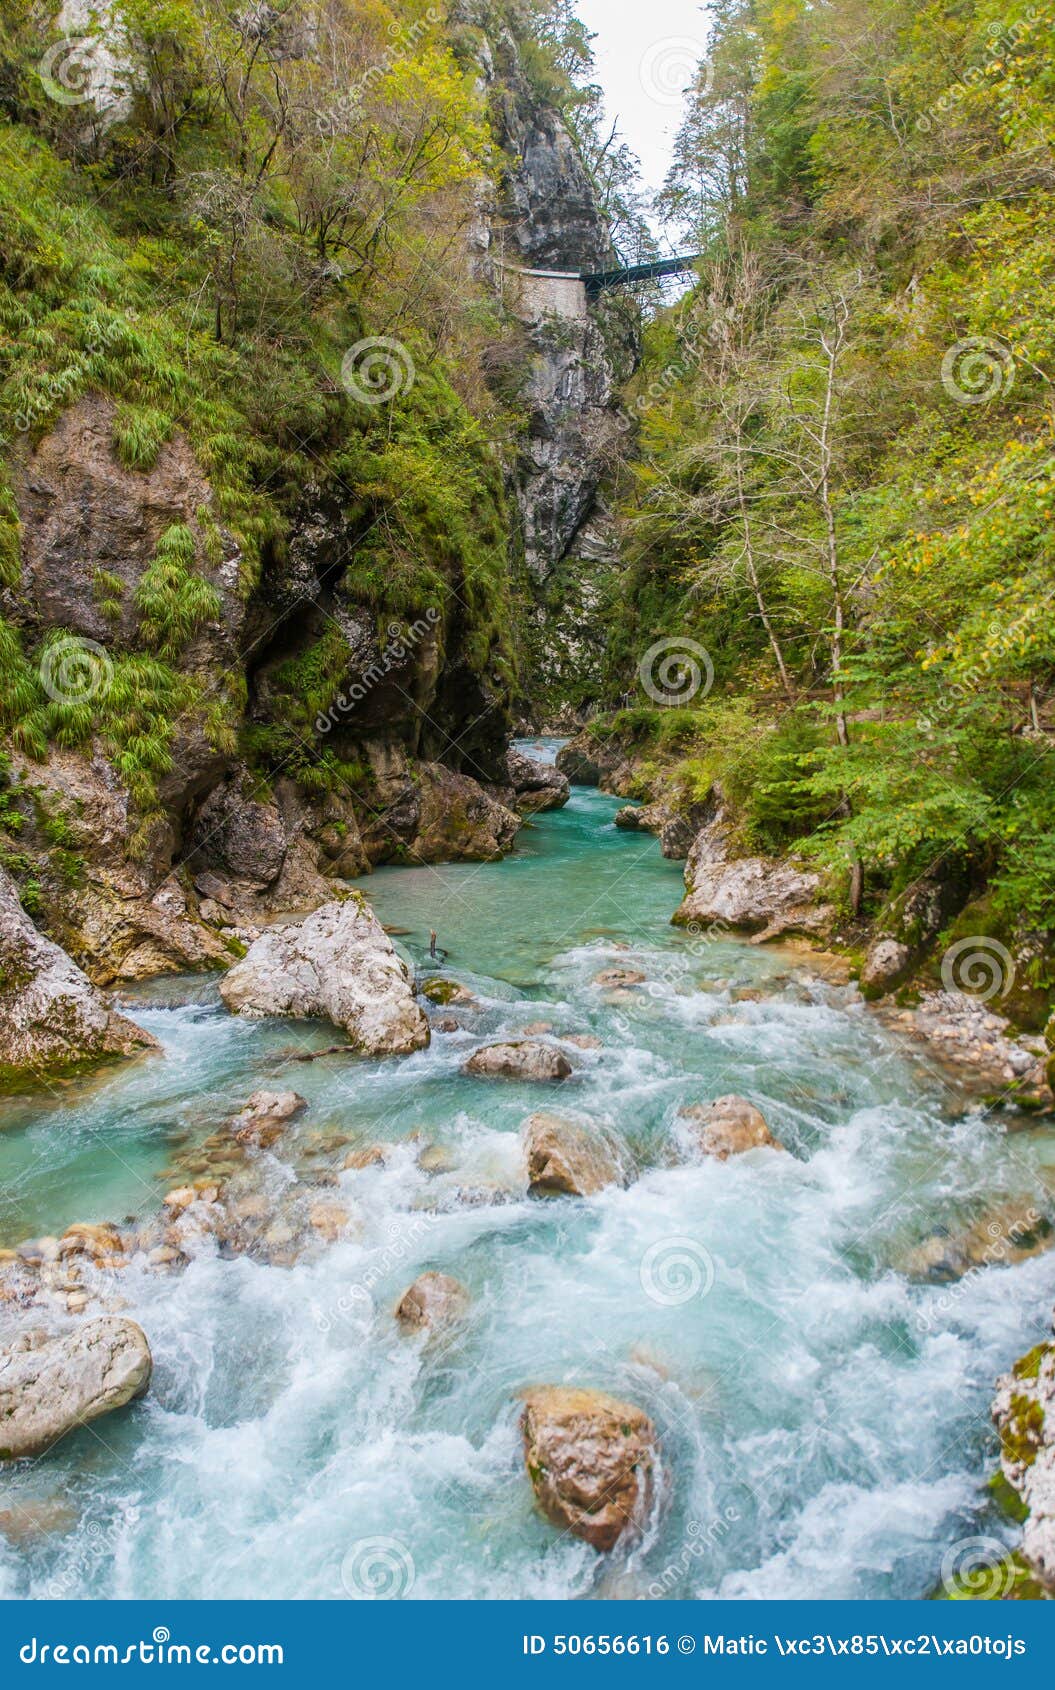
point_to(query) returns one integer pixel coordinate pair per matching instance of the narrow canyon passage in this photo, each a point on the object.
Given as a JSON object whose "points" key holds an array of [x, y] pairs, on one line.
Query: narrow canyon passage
{"points": [[822, 1413]]}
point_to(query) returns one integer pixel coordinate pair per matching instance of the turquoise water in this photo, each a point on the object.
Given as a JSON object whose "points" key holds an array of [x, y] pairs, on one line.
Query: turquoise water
{"points": [[823, 1423]]}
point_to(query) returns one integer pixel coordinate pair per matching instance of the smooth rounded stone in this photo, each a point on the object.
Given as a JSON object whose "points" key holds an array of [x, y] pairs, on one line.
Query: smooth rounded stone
{"points": [[520, 1060], [433, 1300], [329, 1220], [619, 979], [591, 1460], [536, 1029], [567, 1158], [84, 1239], [583, 1041], [49, 1386], [536, 786], [447, 1024], [729, 1126], [1006, 1235], [265, 1117], [338, 963], [365, 1156]]}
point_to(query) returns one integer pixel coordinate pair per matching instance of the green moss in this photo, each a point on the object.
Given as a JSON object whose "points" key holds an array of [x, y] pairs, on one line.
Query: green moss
{"points": [[1007, 1499], [1022, 1433], [1012, 1580], [440, 992], [1029, 1365]]}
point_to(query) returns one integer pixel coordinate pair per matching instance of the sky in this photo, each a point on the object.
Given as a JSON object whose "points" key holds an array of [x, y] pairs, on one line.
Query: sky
{"points": [[647, 52]]}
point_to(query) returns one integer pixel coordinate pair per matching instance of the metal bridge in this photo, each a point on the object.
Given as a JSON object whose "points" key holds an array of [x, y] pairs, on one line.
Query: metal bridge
{"points": [[599, 281], [569, 293]]}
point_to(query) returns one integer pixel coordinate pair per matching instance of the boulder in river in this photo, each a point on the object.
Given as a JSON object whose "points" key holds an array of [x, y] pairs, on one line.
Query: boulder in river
{"points": [[729, 1126], [1011, 1233], [523, 1059], [591, 1460], [265, 1117], [52, 1019], [619, 979], [762, 896], [433, 1300], [566, 1158], [49, 1386], [337, 963], [536, 786]]}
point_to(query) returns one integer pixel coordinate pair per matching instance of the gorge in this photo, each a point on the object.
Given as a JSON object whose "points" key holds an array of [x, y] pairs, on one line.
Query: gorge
{"points": [[524, 820]]}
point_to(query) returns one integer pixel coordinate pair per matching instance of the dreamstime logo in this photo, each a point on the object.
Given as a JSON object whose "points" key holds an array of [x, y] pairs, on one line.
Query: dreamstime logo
{"points": [[980, 966], [978, 369], [675, 671], [74, 671], [675, 1271], [978, 1567], [672, 67], [75, 70], [377, 370], [378, 1569]]}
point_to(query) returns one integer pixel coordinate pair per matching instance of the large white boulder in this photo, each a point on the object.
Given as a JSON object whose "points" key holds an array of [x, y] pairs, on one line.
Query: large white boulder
{"points": [[49, 1386], [337, 964]]}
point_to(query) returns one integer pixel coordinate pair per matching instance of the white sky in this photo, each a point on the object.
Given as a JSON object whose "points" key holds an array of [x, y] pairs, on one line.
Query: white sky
{"points": [[646, 52]]}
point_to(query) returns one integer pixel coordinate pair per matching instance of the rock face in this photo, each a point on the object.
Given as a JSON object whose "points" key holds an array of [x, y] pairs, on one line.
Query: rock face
{"points": [[566, 1158], [676, 829], [49, 1386], [908, 927], [536, 786], [433, 1300], [1024, 1413], [52, 1019], [729, 1126], [761, 896], [591, 1460], [524, 1060], [338, 964]]}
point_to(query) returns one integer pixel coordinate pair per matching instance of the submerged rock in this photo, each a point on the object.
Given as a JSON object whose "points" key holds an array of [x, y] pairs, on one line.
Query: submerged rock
{"points": [[52, 1019], [433, 1300], [50, 1386], [336, 963], [591, 1460], [619, 979], [523, 1060], [265, 1117], [729, 1126], [567, 1158], [1012, 1233]]}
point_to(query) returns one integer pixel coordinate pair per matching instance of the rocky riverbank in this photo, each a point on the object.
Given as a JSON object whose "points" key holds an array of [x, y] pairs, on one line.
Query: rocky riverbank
{"points": [[950, 998]]}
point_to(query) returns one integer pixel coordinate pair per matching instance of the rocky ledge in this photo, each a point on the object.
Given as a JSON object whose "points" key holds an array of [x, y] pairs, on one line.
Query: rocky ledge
{"points": [[53, 1021], [1024, 1414]]}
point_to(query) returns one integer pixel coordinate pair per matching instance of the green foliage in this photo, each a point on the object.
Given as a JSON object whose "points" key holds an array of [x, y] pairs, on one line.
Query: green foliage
{"points": [[879, 517], [171, 599]]}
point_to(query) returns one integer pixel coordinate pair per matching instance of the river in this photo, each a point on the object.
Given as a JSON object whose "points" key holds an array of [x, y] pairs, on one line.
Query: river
{"points": [[823, 1421]]}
